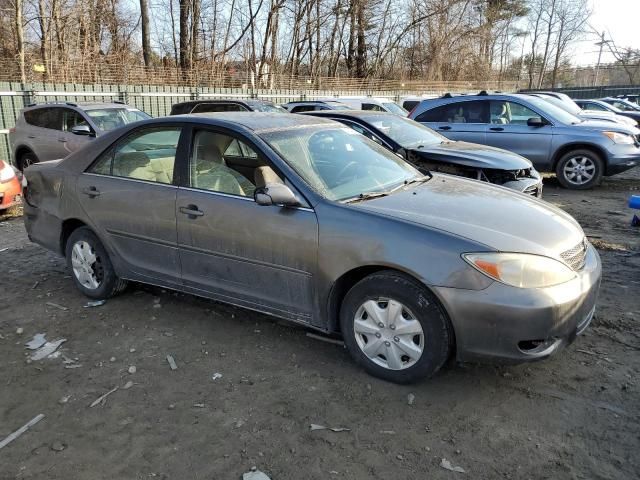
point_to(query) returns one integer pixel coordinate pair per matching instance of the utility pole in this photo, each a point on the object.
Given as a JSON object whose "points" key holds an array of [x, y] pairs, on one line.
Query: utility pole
{"points": [[601, 44]]}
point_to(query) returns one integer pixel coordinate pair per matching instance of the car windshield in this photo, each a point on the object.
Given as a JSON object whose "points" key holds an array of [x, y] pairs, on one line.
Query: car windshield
{"points": [[268, 107], [339, 106], [111, 118], [405, 132], [393, 108], [556, 112], [339, 163], [566, 105]]}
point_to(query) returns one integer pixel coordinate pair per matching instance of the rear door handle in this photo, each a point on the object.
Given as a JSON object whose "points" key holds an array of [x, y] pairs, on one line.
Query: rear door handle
{"points": [[191, 211], [91, 191], [31, 136], [496, 129], [444, 128]]}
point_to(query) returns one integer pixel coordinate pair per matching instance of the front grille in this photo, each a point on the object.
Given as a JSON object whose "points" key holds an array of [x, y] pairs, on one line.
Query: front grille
{"points": [[575, 257]]}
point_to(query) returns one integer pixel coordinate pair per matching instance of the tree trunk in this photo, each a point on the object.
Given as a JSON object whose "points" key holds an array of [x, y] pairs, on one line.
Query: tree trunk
{"points": [[20, 39], [44, 30], [361, 58], [195, 20], [146, 36], [184, 37]]}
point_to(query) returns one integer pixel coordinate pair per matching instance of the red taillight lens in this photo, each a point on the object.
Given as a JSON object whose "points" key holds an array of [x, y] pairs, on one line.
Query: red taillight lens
{"points": [[12, 130]]}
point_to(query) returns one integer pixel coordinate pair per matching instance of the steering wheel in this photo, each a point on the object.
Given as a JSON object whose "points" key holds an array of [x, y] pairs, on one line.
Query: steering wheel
{"points": [[351, 165]]}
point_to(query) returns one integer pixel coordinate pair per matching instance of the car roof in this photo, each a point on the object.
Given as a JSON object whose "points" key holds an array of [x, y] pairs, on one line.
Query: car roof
{"points": [[348, 113], [256, 121], [80, 105]]}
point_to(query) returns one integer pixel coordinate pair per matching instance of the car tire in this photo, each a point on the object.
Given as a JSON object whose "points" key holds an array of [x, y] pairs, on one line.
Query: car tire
{"points": [[26, 159], [417, 338], [580, 169], [90, 266]]}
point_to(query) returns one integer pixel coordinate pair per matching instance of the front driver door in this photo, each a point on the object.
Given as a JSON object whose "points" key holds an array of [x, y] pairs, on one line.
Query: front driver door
{"points": [[235, 250], [129, 195], [509, 130]]}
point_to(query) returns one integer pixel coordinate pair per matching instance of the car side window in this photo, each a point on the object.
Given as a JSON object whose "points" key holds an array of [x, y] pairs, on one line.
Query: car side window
{"points": [[218, 162], [303, 108], [373, 107], [511, 113], [148, 154], [218, 107], [594, 106], [475, 111], [50, 118], [71, 118]]}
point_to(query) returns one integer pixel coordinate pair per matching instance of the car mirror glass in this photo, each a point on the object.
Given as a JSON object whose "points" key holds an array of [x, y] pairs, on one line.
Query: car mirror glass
{"points": [[81, 130], [275, 194]]}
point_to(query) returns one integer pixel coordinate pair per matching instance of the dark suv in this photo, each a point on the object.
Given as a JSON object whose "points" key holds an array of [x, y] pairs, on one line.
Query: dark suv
{"points": [[50, 131], [220, 105]]}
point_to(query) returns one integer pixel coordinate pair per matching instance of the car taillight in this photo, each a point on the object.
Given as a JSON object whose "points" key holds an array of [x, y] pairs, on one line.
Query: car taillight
{"points": [[6, 172], [12, 130]]}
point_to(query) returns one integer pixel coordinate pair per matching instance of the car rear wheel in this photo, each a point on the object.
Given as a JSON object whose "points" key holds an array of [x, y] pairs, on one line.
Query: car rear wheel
{"points": [[90, 266], [395, 328], [580, 169], [26, 159]]}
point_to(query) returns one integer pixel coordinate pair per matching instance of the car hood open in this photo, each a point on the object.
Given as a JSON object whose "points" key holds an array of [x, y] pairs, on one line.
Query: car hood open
{"points": [[472, 155], [494, 216]]}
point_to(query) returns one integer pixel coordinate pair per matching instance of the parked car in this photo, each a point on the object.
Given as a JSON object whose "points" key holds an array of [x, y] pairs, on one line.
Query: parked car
{"points": [[224, 105], [54, 130], [376, 104], [600, 105], [305, 219], [410, 102], [622, 104], [579, 152], [426, 149], [313, 105], [566, 103], [10, 188]]}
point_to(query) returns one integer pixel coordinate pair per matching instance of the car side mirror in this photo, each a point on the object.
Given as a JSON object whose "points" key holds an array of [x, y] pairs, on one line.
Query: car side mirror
{"points": [[275, 194], [536, 122], [83, 130]]}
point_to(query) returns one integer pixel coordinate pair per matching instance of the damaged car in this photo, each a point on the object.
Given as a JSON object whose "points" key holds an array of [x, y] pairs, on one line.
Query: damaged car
{"points": [[410, 269], [427, 149]]}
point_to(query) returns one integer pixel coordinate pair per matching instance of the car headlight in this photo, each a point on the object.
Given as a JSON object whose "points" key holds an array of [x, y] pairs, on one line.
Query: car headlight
{"points": [[6, 172], [521, 270], [618, 137]]}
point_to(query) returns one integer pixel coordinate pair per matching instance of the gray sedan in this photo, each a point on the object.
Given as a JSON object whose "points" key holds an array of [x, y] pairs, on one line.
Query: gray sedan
{"points": [[305, 219]]}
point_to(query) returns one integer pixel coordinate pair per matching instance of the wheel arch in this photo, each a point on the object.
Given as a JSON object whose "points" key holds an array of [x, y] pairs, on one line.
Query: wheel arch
{"points": [[68, 227], [19, 152], [564, 149]]}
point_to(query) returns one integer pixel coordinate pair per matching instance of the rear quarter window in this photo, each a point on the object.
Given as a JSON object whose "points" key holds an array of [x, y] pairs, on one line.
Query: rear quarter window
{"points": [[44, 118]]}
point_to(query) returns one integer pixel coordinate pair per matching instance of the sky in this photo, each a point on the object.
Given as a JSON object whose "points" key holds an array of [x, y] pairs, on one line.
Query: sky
{"points": [[619, 19]]}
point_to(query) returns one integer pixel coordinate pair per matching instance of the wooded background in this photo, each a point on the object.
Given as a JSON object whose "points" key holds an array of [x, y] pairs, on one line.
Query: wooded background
{"points": [[290, 44]]}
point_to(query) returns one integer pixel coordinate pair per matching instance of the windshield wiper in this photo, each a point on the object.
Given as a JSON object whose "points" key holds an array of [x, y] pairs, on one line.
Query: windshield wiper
{"points": [[369, 195]]}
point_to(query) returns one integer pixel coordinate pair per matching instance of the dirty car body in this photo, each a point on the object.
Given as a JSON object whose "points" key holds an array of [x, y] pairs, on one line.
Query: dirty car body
{"points": [[426, 149], [304, 252]]}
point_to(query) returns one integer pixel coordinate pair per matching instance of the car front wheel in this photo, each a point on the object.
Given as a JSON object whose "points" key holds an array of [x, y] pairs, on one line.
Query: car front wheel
{"points": [[395, 328], [27, 159], [90, 266], [580, 169]]}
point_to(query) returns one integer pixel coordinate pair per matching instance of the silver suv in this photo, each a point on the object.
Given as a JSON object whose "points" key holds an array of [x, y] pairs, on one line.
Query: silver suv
{"points": [[50, 131], [579, 151]]}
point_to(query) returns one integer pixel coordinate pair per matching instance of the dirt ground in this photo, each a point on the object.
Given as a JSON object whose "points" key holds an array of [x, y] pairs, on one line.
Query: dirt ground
{"points": [[574, 416]]}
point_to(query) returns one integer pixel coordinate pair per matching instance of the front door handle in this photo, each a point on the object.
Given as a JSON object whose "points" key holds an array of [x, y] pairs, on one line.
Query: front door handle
{"points": [[91, 191], [496, 129], [191, 211], [444, 128], [31, 136]]}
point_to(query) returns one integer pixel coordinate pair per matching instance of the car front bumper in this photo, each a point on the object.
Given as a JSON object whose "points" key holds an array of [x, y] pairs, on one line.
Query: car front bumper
{"points": [[511, 325], [10, 193], [622, 158]]}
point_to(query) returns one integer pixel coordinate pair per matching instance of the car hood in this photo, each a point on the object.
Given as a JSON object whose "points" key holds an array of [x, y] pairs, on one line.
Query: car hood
{"points": [[608, 126], [497, 217], [472, 155]]}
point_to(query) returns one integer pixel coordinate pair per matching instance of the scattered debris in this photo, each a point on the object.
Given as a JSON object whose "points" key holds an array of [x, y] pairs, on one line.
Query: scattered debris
{"points": [[198, 405], [172, 362], [95, 303], [64, 399], [55, 305], [171, 406], [36, 342], [4, 249], [34, 286], [333, 429], [19, 331], [112, 359], [11, 437], [102, 398], [410, 399], [216, 376], [388, 432], [47, 349], [446, 464], [255, 474], [128, 385], [132, 369], [75, 365], [325, 339], [58, 446], [578, 400]]}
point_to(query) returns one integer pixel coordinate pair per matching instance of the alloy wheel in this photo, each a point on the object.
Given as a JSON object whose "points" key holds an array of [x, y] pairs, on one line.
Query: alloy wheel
{"points": [[579, 170], [86, 265], [388, 333]]}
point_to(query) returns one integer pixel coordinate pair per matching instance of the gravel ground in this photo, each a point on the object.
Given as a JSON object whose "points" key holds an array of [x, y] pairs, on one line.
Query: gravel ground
{"points": [[576, 415]]}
